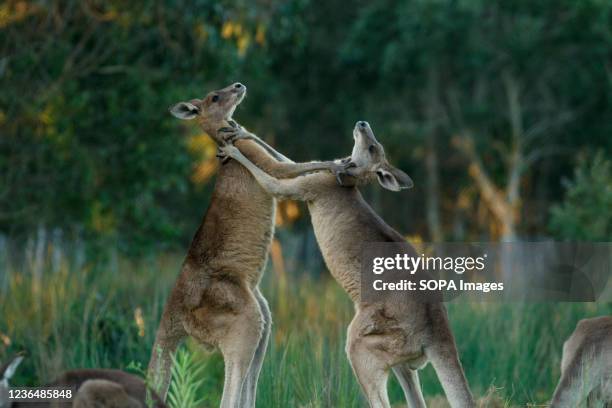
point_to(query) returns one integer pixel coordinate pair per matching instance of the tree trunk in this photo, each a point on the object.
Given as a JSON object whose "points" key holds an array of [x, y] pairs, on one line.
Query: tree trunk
{"points": [[431, 160], [4, 265], [433, 190]]}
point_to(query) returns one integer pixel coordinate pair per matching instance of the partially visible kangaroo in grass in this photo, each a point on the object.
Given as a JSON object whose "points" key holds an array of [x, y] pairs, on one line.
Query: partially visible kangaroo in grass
{"points": [[93, 388], [401, 335], [586, 366], [216, 298]]}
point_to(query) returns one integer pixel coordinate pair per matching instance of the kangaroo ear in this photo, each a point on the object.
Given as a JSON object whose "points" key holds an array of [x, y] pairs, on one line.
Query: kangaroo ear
{"points": [[393, 179], [11, 368], [185, 110]]}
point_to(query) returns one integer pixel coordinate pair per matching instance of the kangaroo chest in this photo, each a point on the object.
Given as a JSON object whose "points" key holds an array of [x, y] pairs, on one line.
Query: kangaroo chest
{"points": [[238, 227], [339, 244]]}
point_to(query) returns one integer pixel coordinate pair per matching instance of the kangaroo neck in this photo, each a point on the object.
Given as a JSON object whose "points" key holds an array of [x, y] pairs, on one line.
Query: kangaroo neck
{"points": [[212, 128]]}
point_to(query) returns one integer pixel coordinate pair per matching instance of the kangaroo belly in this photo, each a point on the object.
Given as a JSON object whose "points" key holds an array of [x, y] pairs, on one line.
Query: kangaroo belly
{"points": [[340, 248], [237, 230]]}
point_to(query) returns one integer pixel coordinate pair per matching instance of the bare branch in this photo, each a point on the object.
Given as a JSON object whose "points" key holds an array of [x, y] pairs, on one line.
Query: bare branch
{"points": [[539, 154], [454, 111], [491, 193], [514, 106], [548, 124], [515, 164]]}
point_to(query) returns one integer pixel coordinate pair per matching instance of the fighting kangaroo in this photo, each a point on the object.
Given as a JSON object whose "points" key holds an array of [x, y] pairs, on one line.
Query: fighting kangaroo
{"points": [[216, 298], [586, 366], [92, 388], [401, 335]]}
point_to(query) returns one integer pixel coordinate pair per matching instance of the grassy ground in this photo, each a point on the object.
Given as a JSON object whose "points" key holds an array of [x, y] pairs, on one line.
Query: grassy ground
{"points": [[106, 317]]}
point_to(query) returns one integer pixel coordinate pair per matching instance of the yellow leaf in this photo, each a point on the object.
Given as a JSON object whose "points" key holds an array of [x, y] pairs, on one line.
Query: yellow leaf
{"points": [[4, 339], [200, 32], [102, 219], [201, 145], [243, 44], [204, 170], [238, 29], [20, 11], [227, 30], [139, 320], [260, 34], [46, 116]]}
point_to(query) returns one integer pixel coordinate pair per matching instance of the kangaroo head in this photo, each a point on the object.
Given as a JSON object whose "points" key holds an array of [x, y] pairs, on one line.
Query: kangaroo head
{"points": [[210, 112], [368, 159], [7, 371]]}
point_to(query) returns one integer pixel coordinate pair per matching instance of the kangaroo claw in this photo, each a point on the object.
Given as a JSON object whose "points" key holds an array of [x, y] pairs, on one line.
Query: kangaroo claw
{"points": [[221, 155], [338, 178], [231, 134]]}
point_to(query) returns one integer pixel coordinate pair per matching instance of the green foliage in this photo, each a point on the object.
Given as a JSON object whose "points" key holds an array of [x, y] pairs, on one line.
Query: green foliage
{"points": [[87, 146], [186, 381], [585, 213], [86, 142], [305, 365]]}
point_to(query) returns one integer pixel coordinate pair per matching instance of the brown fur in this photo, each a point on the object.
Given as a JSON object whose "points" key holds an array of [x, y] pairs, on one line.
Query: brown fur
{"points": [[586, 366], [216, 299], [91, 388], [397, 332], [105, 387], [104, 394]]}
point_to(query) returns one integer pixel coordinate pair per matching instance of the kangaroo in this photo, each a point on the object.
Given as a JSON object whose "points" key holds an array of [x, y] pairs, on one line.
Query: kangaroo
{"points": [[216, 299], [586, 366], [7, 370], [93, 388], [401, 335]]}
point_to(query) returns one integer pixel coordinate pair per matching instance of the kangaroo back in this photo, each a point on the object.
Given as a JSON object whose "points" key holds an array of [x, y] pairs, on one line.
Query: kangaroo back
{"points": [[104, 393], [586, 365], [99, 385]]}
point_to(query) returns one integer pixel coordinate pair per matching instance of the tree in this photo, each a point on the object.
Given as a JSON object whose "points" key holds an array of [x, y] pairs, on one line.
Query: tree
{"points": [[585, 212]]}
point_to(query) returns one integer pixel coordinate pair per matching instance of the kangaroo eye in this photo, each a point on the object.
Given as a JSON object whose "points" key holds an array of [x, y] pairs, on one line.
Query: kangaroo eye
{"points": [[372, 148], [215, 98]]}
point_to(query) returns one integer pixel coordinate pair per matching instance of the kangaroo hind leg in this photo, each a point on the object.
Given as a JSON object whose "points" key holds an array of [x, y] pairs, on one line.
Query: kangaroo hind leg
{"points": [[170, 333], [239, 346], [409, 380], [368, 363], [249, 390], [445, 360]]}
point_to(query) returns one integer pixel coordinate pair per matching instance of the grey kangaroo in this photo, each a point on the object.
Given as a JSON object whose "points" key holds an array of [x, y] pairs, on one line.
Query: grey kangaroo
{"points": [[586, 366], [216, 298], [93, 388], [389, 334]]}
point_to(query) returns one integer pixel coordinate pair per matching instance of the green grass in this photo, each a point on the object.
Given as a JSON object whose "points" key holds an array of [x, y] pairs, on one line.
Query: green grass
{"points": [[106, 317], [187, 379]]}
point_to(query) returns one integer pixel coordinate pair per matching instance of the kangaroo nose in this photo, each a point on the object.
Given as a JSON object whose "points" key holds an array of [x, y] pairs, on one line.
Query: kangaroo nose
{"points": [[238, 85], [363, 124]]}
